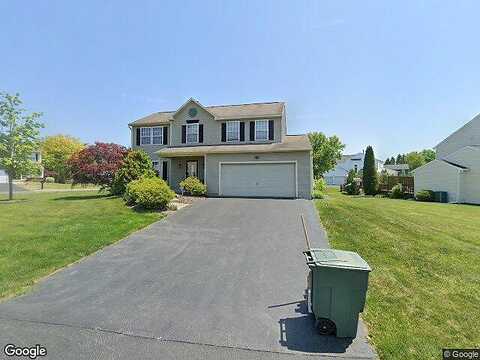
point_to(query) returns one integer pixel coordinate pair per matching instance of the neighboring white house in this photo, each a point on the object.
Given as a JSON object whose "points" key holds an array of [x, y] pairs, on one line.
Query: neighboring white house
{"points": [[338, 175], [456, 168]]}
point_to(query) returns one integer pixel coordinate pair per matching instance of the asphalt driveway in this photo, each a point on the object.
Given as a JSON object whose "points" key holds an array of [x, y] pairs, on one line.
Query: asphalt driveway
{"points": [[224, 278]]}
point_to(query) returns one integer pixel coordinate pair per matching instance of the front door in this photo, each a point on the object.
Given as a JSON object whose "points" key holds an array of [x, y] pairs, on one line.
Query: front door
{"points": [[192, 168]]}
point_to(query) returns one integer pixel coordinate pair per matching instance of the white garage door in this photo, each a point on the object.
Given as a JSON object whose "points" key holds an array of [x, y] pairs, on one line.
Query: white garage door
{"points": [[268, 179], [3, 177]]}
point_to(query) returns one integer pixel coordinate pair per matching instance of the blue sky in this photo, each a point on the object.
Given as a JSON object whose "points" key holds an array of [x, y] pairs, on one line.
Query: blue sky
{"points": [[396, 75]]}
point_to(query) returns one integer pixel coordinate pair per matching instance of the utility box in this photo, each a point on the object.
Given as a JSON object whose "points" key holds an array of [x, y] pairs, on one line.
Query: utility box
{"points": [[338, 287], [441, 196]]}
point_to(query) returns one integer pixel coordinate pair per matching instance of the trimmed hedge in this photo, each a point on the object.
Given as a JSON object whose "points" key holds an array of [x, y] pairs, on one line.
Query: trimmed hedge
{"points": [[398, 192], [193, 186], [425, 195], [149, 193]]}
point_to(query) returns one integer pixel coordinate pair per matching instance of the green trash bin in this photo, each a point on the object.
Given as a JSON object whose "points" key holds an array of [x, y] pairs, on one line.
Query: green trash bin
{"points": [[338, 282]]}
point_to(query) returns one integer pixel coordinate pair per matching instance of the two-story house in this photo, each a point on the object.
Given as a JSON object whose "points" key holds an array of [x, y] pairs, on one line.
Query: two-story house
{"points": [[236, 150], [456, 169]]}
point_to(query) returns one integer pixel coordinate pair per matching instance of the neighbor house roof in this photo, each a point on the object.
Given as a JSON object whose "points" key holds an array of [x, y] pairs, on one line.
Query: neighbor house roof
{"points": [[291, 143], [396, 166], [220, 112], [475, 118], [442, 161]]}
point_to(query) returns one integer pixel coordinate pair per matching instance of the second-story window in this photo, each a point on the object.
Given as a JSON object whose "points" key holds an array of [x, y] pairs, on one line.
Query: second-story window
{"points": [[261, 130], [151, 135], [192, 133], [233, 130], [157, 135], [145, 136]]}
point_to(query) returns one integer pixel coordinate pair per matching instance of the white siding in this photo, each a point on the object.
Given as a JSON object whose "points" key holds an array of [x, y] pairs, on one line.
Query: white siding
{"points": [[438, 176], [470, 183], [3, 177], [335, 180], [469, 134]]}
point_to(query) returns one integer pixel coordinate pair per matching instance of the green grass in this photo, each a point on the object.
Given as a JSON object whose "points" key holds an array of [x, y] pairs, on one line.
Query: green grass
{"points": [[42, 232], [424, 290]]}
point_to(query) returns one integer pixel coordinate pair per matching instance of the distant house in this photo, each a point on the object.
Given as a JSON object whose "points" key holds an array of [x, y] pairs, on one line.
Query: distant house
{"points": [[338, 175], [456, 168], [36, 157], [397, 170]]}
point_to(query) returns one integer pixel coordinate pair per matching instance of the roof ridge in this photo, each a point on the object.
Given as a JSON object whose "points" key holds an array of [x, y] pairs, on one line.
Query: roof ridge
{"points": [[254, 103]]}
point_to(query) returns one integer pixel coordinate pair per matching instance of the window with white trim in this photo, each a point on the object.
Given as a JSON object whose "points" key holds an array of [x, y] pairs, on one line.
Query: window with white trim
{"points": [[261, 129], [233, 130], [155, 164], [145, 136], [192, 133], [151, 135], [157, 135]]}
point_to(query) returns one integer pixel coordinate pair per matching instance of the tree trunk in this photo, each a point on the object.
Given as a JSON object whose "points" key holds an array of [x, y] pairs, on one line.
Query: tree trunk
{"points": [[10, 187]]}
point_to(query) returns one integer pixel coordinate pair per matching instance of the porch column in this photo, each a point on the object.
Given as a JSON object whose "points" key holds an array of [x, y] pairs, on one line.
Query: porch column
{"points": [[205, 169]]}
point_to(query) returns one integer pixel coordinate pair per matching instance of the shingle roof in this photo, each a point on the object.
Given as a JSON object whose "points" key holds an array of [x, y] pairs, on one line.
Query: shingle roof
{"points": [[291, 143], [222, 112], [397, 166]]}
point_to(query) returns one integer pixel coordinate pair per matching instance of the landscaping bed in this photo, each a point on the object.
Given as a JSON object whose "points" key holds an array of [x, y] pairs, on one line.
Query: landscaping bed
{"points": [[424, 292]]}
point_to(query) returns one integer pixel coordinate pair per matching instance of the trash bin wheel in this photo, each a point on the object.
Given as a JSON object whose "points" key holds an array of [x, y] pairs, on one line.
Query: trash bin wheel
{"points": [[325, 326]]}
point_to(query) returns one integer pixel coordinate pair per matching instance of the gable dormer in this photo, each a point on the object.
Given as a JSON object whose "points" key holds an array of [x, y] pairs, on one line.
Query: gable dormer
{"points": [[193, 124]]}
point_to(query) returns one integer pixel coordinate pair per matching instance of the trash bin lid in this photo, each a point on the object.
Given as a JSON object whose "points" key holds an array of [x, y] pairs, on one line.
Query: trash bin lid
{"points": [[337, 259]]}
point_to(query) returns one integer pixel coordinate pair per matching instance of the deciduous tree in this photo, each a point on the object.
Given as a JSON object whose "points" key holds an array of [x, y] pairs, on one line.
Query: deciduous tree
{"points": [[137, 164], [97, 164], [56, 151], [19, 138], [415, 160], [326, 152]]}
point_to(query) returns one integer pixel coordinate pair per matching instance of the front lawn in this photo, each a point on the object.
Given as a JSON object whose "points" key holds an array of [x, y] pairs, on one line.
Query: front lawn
{"points": [[424, 291], [34, 185], [42, 232]]}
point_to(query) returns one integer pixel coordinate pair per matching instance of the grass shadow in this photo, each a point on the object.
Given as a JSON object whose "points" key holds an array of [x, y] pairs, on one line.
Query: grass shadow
{"points": [[87, 197], [14, 201]]}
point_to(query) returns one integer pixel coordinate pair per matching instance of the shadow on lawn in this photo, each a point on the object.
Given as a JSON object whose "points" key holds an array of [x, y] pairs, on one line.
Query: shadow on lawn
{"points": [[14, 201], [87, 197]]}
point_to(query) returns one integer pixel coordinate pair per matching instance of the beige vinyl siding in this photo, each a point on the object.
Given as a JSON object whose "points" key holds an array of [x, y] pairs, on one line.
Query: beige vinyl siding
{"points": [[469, 134], [149, 149], [437, 175], [178, 168], [212, 128], [302, 158]]}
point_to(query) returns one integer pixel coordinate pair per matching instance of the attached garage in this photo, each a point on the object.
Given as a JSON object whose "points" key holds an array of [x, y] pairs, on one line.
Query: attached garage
{"points": [[258, 179]]}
